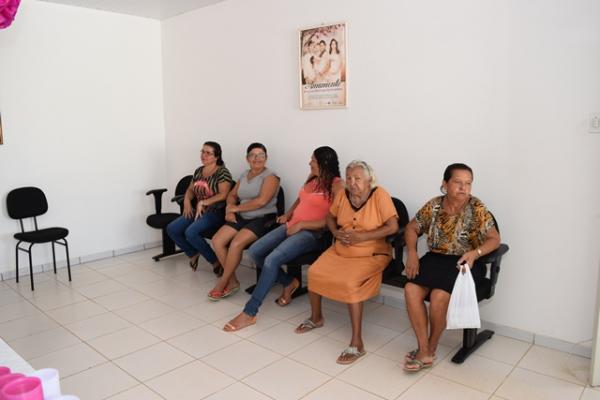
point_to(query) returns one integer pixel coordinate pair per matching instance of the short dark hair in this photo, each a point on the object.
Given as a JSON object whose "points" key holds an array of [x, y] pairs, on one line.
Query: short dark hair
{"points": [[456, 167], [256, 145], [217, 150]]}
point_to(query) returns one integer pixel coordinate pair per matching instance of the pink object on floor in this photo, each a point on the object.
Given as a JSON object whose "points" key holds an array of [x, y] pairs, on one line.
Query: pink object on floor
{"points": [[23, 389], [6, 379], [4, 370]]}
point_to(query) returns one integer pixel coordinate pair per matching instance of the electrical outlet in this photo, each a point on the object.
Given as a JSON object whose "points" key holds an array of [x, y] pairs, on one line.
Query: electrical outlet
{"points": [[594, 124]]}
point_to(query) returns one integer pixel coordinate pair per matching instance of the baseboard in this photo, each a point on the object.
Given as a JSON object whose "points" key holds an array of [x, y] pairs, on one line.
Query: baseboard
{"points": [[392, 296], [24, 270]]}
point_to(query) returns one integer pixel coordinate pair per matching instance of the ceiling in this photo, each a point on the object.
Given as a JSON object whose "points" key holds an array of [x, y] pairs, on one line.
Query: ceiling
{"points": [[156, 9]]}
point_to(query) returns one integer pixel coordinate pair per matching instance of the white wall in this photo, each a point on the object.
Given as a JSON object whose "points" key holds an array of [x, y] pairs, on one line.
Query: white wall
{"points": [[503, 86], [81, 104]]}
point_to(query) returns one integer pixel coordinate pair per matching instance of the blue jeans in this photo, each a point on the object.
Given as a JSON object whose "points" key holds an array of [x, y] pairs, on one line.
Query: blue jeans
{"points": [[270, 253], [187, 234]]}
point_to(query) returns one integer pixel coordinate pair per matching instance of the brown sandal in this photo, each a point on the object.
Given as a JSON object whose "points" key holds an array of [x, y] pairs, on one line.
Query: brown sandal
{"points": [[281, 302]]}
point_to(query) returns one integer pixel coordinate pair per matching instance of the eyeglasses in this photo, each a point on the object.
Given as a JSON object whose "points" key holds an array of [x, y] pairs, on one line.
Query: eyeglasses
{"points": [[207, 153], [257, 156]]}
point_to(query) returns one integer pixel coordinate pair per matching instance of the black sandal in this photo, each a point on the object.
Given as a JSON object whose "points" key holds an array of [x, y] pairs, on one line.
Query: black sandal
{"points": [[218, 270], [194, 263]]}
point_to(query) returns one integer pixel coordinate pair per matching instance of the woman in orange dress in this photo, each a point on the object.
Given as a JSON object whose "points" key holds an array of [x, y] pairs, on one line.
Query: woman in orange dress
{"points": [[350, 271]]}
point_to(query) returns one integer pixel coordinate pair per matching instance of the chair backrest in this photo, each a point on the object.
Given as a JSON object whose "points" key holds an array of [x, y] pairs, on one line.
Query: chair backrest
{"points": [[26, 202], [280, 202], [402, 212], [183, 184]]}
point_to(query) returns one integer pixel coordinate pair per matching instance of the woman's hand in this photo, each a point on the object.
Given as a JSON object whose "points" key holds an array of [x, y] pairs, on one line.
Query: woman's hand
{"points": [[295, 228], [412, 264], [199, 210], [349, 238], [231, 208], [230, 217], [188, 211], [469, 257], [282, 219]]}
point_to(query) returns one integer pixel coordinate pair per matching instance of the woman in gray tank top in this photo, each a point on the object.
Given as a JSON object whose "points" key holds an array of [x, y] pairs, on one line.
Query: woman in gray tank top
{"points": [[250, 213]]}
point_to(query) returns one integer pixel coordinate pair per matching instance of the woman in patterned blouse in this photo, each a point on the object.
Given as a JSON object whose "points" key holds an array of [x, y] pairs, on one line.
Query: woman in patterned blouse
{"points": [[209, 188], [459, 229]]}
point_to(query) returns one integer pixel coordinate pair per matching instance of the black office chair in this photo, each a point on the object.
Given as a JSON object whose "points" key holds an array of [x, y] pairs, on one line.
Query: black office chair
{"points": [[472, 340], [160, 220], [30, 202]]}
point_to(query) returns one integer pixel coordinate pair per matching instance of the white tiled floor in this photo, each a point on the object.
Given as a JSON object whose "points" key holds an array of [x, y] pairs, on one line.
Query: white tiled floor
{"points": [[128, 328]]}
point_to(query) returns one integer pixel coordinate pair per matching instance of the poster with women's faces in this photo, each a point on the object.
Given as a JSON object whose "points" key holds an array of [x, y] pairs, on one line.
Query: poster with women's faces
{"points": [[323, 67]]}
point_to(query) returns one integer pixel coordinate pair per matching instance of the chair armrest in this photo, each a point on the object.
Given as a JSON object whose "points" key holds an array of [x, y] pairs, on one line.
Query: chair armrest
{"points": [[494, 255], [178, 199], [397, 238], [494, 259], [157, 193]]}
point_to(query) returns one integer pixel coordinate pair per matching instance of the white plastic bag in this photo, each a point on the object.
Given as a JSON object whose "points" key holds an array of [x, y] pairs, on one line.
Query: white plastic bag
{"points": [[463, 311]]}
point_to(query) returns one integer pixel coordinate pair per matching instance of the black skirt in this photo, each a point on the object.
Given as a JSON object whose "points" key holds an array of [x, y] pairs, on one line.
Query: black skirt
{"points": [[438, 271]]}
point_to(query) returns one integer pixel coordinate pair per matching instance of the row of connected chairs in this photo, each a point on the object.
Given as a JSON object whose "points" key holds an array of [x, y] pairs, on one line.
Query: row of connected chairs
{"points": [[393, 274]]}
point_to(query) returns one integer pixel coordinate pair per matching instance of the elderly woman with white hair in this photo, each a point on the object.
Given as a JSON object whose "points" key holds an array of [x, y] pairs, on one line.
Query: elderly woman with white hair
{"points": [[350, 271]]}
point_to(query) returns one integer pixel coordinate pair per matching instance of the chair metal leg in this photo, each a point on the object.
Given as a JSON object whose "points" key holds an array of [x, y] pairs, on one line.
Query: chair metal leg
{"points": [[53, 257], [30, 266], [250, 289], [68, 260], [17, 259], [471, 342]]}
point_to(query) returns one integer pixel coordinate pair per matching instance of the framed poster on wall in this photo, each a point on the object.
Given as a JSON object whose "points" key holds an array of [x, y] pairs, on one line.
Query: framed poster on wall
{"points": [[323, 67]]}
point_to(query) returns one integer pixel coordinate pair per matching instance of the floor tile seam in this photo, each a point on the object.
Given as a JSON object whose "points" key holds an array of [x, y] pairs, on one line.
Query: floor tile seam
{"points": [[143, 382], [96, 337], [204, 355], [65, 305], [578, 383], [106, 360], [245, 376], [166, 339], [125, 390], [276, 352], [30, 334], [473, 387], [423, 375], [126, 354], [465, 385], [53, 351]]}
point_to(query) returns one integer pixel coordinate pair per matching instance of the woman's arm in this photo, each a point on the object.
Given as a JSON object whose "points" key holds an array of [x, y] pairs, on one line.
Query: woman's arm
{"points": [[282, 219], [224, 188], [267, 191], [232, 199], [491, 243], [411, 235], [188, 211]]}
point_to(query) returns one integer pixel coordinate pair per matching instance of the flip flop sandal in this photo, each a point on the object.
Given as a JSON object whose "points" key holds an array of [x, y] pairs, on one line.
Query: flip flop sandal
{"points": [[281, 302], [416, 365], [411, 355], [308, 325], [215, 295], [230, 291], [349, 355], [194, 263], [229, 327]]}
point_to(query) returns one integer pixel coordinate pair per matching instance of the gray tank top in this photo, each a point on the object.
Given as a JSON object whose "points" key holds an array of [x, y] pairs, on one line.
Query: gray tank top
{"points": [[249, 190]]}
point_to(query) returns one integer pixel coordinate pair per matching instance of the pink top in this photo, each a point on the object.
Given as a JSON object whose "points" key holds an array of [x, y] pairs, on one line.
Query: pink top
{"points": [[313, 206]]}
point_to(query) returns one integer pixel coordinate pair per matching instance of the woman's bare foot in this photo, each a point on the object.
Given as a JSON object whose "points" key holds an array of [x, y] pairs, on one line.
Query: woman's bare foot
{"points": [[242, 321], [286, 294]]}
